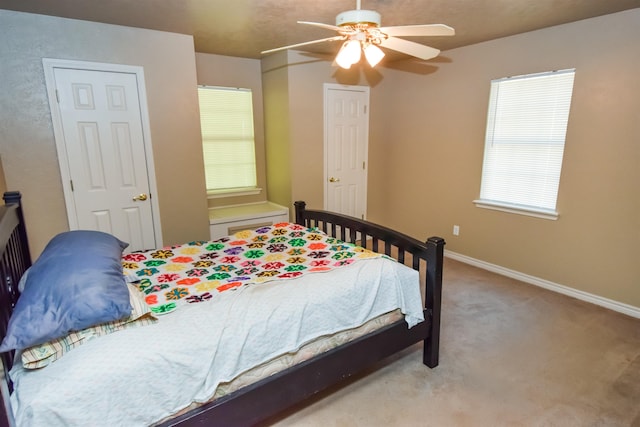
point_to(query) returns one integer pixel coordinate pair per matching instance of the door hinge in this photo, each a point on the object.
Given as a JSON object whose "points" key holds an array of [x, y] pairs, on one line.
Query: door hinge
{"points": [[365, 109], [363, 166], [71, 182], [57, 96]]}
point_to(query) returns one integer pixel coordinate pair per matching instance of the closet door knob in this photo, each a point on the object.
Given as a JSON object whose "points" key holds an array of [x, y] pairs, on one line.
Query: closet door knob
{"points": [[142, 197]]}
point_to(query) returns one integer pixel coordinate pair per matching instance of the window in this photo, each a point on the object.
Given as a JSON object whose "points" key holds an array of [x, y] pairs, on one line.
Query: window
{"points": [[524, 144], [226, 116]]}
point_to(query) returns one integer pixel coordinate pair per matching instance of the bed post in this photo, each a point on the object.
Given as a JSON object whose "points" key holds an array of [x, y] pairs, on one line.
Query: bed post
{"points": [[300, 207], [435, 257]]}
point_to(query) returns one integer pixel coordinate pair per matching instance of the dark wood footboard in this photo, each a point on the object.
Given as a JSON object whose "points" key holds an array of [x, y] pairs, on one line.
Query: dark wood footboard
{"points": [[266, 398], [405, 249]]}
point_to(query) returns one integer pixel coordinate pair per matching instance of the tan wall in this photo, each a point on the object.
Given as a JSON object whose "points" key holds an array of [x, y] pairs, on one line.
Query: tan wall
{"points": [[227, 71], [27, 143], [434, 126], [277, 132], [306, 79]]}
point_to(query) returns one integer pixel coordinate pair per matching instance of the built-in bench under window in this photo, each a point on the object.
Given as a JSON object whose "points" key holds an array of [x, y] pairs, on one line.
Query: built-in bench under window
{"points": [[225, 221]]}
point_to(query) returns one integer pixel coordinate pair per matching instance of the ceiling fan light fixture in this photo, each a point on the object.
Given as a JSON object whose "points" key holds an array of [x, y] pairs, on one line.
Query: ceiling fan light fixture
{"points": [[349, 54], [360, 30], [373, 54]]}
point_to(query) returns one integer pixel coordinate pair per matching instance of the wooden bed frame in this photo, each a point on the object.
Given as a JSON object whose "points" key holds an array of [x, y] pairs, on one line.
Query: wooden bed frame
{"points": [[259, 401]]}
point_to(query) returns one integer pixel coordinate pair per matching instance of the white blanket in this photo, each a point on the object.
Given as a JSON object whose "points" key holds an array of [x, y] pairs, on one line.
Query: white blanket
{"points": [[141, 375]]}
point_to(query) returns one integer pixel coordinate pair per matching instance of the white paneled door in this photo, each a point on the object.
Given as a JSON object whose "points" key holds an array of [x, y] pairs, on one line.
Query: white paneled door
{"points": [[103, 150], [346, 148]]}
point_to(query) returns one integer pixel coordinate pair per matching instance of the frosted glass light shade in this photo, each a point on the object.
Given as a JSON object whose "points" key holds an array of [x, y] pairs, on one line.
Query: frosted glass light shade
{"points": [[349, 54], [373, 54]]}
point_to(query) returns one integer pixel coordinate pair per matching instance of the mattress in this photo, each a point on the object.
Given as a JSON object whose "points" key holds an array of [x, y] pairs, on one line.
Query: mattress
{"points": [[306, 352]]}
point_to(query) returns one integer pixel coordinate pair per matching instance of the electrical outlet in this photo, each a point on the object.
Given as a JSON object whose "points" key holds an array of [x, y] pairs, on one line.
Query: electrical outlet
{"points": [[456, 230]]}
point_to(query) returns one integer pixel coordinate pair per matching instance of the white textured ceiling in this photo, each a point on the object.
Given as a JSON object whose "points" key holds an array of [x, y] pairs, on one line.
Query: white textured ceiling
{"points": [[244, 28]]}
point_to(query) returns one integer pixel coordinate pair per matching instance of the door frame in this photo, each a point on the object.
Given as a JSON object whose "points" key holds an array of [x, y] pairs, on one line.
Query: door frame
{"points": [[49, 65], [334, 86]]}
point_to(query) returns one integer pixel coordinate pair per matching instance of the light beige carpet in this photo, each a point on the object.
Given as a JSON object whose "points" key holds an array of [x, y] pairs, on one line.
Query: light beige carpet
{"points": [[512, 354]]}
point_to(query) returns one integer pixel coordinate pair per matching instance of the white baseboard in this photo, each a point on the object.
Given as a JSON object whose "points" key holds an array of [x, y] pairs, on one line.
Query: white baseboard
{"points": [[584, 296]]}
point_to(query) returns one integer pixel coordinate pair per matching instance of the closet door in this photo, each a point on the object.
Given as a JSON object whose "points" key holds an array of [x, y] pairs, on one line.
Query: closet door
{"points": [[346, 149], [102, 142]]}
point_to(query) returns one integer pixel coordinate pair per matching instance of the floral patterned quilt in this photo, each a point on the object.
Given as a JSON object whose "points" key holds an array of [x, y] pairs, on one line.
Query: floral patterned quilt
{"points": [[197, 271]]}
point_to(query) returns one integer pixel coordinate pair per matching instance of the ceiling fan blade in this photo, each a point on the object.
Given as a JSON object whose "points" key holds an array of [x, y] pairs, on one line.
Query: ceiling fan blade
{"points": [[328, 39], [419, 30], [410, 48], [321, 25]]}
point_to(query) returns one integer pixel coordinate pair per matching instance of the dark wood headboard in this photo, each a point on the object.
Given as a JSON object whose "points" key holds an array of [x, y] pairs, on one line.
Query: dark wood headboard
{"points": [[14, 261]]}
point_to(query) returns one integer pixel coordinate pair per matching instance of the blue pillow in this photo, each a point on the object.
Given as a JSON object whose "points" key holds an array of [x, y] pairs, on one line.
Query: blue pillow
{"points": [[77, 282]]}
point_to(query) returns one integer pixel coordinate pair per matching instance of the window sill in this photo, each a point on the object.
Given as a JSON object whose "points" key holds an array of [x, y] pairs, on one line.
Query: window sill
{"points": [[517, 209], [233, 192]]}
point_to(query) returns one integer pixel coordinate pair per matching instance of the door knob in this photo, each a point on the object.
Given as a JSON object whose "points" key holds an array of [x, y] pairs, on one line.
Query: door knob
{"points": [[142, 197], [332, 179]]}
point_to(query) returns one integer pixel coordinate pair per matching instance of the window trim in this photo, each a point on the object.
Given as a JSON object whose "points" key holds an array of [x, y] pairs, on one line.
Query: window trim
{"points": [[235, 191], [515, 208]]}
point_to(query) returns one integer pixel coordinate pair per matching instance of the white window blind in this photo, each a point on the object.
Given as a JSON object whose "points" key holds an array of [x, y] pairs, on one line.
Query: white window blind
{"points": [[226, 116], [524, 144]]}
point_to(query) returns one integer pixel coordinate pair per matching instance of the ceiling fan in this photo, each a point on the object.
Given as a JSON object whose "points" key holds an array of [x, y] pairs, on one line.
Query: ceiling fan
{"points": [[360, 31]]}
